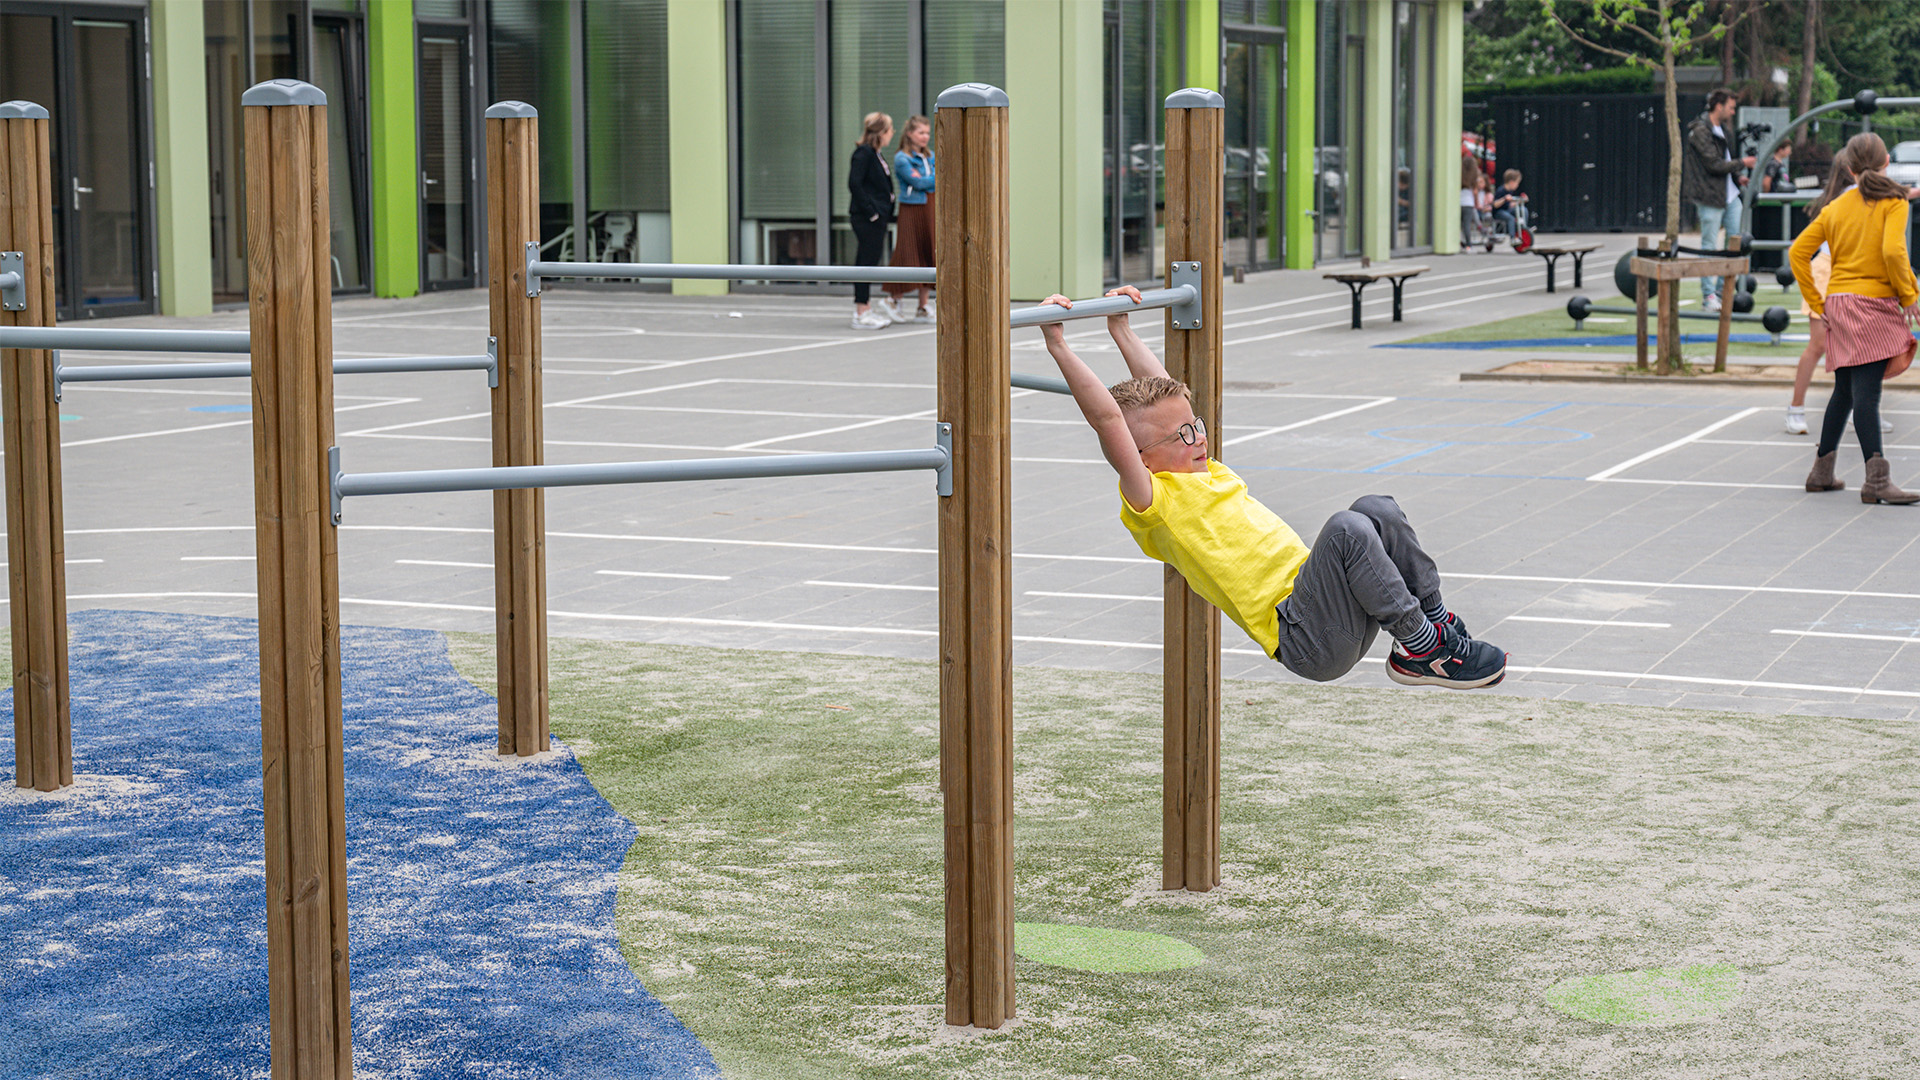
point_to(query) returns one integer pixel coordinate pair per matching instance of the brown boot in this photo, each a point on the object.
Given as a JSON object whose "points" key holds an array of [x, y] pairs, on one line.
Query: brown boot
{"points": [[1821, 478], [1878, 488]]}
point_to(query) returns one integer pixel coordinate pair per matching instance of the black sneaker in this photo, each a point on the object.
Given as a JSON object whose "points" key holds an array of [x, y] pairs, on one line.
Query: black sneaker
{"points": [[1457, 625], [1458, 661]]}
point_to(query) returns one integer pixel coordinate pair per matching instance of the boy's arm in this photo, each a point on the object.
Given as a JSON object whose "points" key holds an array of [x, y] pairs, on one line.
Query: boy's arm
{"points": [[1140, 360], [1102, 414]]}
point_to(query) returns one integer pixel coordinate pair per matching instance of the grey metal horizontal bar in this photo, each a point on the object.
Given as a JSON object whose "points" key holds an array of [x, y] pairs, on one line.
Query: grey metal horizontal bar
{"points": [[938, 458], [1772, 245], [372, 365], [1041, 382], [1787, 196], [878, 275], [240, 369], [1150, 299], [105, 340]]}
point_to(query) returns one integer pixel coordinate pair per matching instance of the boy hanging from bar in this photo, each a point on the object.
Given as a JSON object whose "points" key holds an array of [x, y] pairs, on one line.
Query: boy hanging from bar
{"points": [[1315, 610]]}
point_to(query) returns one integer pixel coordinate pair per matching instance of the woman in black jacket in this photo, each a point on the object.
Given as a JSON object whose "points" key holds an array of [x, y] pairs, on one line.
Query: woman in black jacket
{"points": [[870, 211]]}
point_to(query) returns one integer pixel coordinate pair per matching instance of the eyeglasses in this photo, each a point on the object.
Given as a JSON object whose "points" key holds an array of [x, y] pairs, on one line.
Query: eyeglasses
{"points": [[1186, 433]]}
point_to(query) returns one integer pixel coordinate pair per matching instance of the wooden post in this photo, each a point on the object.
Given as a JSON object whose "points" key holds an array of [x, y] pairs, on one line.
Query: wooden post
{"points": [[1640, 313], [519, 517], [975, 343], [1190, 781], [288, 278], [1729, 288], [1668, 352], [36, 531]]}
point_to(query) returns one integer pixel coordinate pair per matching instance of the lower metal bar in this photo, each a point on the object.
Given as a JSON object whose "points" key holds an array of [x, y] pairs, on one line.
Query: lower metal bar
{"points": [[142, 372], [538, 269], [1041, 382], [1150, 299], [938, 458]]}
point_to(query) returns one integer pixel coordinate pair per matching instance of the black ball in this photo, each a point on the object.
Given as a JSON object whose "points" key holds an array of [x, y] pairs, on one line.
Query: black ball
{"points": [[1866, 102], [1579, 308], [1746, 284], [1623, 275], [1784, 275], [1775, 320], [1742, 302]]}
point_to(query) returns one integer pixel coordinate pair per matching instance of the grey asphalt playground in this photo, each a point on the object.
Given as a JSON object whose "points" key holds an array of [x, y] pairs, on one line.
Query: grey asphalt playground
{"points": [[1629, 543]]}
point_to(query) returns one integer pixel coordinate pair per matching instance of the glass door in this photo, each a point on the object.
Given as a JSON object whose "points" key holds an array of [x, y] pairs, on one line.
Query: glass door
{"points": [[87, 65], [336, 70], [1254, 228], [446, 177]]}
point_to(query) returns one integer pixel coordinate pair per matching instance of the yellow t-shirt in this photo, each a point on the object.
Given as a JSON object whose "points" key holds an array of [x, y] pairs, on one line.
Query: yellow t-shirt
{"points": [[1233, 551]]}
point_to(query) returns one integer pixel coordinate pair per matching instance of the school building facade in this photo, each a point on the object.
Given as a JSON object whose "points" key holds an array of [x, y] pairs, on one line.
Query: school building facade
{"points": [[720, 130]]}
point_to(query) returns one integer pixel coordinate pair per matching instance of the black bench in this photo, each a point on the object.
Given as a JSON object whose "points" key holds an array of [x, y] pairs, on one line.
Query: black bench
{"points": [[1552, 255], [1358, 280]]}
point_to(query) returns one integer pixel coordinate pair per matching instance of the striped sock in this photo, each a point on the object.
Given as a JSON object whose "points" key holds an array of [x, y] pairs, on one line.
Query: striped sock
{"points": [[1438, 614], [1423, 641]]}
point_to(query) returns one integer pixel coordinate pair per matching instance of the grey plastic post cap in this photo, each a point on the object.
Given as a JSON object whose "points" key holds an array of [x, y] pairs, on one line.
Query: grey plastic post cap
{"points": [[22, 110], [971, 95], [1196, 97], [283, 92], [511, 110]]}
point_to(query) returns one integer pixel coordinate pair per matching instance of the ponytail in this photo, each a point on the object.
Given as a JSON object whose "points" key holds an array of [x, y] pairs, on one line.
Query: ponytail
{"points": [[1867, 155], [1875, 186]]}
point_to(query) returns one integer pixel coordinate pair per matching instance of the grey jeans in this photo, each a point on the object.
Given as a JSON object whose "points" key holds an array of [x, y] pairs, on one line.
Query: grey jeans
{"points": [[1366, 570]]}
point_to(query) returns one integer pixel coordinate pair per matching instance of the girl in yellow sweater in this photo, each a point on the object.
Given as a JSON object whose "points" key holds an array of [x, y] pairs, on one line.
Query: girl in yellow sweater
{"points": [[1871, 300]]}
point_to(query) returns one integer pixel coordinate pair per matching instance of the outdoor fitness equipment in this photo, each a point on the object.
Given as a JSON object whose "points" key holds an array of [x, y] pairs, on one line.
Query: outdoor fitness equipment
{"points": [[1864, 104], [1744, 284], [298, 481], [1774, 319]]}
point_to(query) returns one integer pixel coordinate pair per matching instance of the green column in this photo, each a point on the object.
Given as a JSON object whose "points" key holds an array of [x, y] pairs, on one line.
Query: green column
{"points": [[1054, 67], [1448, 71], [1376, 132], [1203, 43], [393, 157], [1302, 94], [697, 137], [181, 192]]}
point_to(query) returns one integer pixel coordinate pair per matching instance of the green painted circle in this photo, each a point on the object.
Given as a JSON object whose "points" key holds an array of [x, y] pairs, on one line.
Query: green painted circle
{"points": [[1656, 997], [1092, 948]]}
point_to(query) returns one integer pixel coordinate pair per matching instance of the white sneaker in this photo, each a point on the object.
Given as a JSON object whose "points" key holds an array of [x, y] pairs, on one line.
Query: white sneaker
{"points": [[924, 315], [1886, 426], [871, 320], [1796, 423], [1712, 305], [928, 308], [887, 310]]}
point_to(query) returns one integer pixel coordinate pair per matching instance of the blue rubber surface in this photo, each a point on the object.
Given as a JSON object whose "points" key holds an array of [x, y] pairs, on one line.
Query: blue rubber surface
{"points": [[481, 891], [1611, 340]]}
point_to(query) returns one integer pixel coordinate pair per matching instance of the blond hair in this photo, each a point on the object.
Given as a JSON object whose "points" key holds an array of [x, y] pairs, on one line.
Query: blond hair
{"points": [[874, 129], [913, 121], [1137, 394]]}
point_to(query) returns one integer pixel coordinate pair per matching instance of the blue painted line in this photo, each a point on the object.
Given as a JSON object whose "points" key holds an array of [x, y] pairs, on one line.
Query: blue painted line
{"points": [[1602, 340], [1244, 468], [1531, 415], [1408, 457], [221, 408], [482, 939], [1582, 404]]}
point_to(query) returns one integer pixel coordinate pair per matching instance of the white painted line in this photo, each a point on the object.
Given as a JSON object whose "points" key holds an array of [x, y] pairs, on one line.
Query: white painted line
{"points": [[873, 585], [922, 414], [1310, 420], [1589, 622], [664, 574], [1819, 688], [1683, 585], [217, 558], [443, 562], [1803, 444], [1094, 596], [1608, 473], [1910, 640], [248, 422], [72, 562], [1700, 483]]}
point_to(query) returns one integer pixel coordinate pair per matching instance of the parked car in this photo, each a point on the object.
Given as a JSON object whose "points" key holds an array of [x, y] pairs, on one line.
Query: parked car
{"points": [[1905, 166]]}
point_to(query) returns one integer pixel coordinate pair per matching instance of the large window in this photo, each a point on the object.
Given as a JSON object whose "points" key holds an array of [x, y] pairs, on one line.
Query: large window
{"points": [[1340, 107], [808, 76], [1413, 94], [1253, 66], [627, 181], [1143, 64], [530, 58]]}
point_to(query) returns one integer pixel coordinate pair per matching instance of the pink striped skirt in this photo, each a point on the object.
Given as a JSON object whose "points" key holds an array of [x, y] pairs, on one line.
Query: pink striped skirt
{"points": [[1863, 329]]}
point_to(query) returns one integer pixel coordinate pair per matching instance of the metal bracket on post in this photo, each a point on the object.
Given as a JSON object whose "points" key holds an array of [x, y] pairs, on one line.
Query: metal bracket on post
{"points": [[13, 280], [493, 362], [333, 480], [1187, 316], [57, 386], [533, 279], [943, 476]]}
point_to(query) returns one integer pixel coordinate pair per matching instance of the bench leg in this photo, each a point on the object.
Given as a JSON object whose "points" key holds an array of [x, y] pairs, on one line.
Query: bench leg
{"points": [[1553, 267], [1356, 287], [1578, 258], [1398, 284]]}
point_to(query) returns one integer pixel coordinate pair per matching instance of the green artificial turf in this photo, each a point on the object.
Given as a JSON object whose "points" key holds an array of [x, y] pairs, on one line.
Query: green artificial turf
{"points": [[1556, 324], [1416, 883]]}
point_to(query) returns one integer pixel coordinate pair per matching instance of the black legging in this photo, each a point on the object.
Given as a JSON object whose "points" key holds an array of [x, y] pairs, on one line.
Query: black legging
{"points": [[872, 236], [1856, 390]]}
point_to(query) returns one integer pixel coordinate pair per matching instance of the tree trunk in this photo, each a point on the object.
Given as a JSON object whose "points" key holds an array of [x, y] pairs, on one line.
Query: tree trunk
{"points": [[1673, 143], [1759, 63], [1809, 37], [1729, 10]]}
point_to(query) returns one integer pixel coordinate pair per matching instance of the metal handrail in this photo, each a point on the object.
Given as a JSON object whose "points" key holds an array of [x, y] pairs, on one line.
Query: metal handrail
{"points": [[938, 458], [1150, 299]]}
